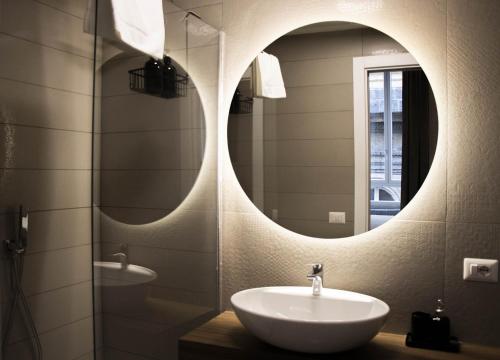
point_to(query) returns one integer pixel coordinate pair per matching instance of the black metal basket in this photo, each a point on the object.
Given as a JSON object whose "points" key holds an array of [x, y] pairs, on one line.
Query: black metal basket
{"points": [[137, 83], [244, 106]]}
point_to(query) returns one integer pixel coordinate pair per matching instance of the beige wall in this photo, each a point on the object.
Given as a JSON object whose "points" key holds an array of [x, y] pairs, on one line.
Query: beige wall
{"points": [[45, 153], [416, 258]]}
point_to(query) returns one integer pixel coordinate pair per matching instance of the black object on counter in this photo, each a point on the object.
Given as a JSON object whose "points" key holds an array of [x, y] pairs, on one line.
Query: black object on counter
{"points": [[169, 78], [432, 331], [153, 73]]}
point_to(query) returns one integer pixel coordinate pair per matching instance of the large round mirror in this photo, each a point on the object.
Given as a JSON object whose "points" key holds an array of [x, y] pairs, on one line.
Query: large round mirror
{"points": [[332, 129]]}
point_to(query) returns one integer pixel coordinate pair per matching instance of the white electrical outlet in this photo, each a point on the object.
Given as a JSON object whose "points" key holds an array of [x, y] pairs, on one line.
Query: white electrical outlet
{"points": [[481, 270], [274, 214], [336, 217]]}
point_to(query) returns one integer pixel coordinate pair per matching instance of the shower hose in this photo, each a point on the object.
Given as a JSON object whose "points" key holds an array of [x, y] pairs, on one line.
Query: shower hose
{"points": [[20, 302]]}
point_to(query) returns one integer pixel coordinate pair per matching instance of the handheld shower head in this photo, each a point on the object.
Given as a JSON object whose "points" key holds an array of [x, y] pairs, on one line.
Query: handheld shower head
{"points": [[20, 241], [16, 246], [23, 229]]}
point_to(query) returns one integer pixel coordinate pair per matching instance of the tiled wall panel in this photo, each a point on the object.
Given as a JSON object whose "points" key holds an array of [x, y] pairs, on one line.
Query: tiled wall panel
{"points": [[473, 196], [45, 161]]}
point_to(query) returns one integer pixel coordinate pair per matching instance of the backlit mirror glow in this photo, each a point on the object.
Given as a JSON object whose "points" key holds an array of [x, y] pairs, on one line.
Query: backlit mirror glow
{"points": [[350, 144]]}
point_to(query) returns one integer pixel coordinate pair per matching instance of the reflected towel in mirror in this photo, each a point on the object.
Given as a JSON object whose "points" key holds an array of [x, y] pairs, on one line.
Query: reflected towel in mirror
{"points": [[268, 79]]}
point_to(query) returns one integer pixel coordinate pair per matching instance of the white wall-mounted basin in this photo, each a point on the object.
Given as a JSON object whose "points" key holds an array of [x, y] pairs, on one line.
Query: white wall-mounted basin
{"points": [[108, 273], [292, 318]]}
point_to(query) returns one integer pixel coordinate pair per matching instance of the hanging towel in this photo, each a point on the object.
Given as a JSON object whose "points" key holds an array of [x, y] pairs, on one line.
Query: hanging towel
{"points": [[268, 78], [137, 23]]}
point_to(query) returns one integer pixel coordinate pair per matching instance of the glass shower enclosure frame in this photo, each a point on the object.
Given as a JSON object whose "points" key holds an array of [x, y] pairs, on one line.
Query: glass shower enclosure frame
{"points": [[155, 194]]}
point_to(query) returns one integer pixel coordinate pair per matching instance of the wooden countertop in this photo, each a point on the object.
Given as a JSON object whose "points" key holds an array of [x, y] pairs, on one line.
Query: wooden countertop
{"points": [[225, 338]]}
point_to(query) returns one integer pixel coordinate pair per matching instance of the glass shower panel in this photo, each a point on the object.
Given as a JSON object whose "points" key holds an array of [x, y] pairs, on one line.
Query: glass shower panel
{"points": [[155, 190]]}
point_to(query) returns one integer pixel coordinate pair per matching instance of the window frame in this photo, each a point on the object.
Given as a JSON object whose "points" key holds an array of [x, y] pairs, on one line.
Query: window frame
{"points": [[361, 67]]}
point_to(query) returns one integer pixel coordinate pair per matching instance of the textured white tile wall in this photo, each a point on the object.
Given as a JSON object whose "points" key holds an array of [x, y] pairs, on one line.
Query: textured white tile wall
{"points": [[416, 258], [473, 196]]}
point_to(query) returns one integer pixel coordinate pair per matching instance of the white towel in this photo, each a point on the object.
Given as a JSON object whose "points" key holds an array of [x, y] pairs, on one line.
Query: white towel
{"points": [[137, 23], [268, 78]]}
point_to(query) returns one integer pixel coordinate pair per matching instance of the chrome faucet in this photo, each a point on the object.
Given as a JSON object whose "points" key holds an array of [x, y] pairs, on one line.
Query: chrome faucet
{"points": [[316, 276], [123, 256]]}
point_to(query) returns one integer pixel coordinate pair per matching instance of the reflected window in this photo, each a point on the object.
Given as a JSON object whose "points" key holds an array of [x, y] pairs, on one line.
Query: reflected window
{"points": [[385, 114]]}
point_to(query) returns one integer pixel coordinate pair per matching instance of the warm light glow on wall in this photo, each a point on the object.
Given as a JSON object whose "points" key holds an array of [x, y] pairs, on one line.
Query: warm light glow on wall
{"points": [[258, 252], [350, 6]]}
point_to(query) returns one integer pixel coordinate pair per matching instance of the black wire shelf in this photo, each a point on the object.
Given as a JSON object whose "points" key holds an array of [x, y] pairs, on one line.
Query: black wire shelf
{"points": [[160, 87], [242, 106]]}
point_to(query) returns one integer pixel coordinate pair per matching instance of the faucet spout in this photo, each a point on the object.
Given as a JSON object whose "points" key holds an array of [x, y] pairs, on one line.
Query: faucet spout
{"points": [[123, 259], [316, 276], [317, 285], [122, 255]]}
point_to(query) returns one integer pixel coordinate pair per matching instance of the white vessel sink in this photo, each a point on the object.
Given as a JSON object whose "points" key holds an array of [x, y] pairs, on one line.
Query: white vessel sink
{"points": [[292, 318], [108, 273]]}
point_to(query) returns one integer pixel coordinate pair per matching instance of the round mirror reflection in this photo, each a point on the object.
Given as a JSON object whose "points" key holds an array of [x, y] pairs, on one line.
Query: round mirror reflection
{"points": [[316, 110], [152, 137]]}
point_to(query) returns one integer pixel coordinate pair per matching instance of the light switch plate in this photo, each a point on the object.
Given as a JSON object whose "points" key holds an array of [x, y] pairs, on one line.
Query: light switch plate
{"points": [[480, 270], [274, 214], [336, 217]]}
